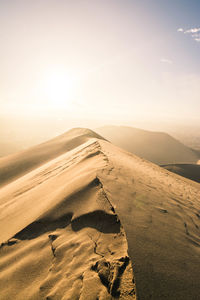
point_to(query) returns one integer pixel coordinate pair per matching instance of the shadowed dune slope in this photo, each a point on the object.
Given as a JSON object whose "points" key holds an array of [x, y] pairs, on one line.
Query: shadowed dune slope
{"points": [[157, 147], [197, 152], [18, 164], [73, 227], [189, 171]]}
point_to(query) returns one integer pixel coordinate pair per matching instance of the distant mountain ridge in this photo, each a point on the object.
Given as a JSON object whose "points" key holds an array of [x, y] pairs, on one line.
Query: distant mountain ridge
{"points": [[157, 147]]}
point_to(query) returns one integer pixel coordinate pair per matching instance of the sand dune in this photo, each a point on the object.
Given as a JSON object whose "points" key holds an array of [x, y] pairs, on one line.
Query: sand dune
{"points": [[74, 224], [157, 147], [189, 171], [15, 165]]}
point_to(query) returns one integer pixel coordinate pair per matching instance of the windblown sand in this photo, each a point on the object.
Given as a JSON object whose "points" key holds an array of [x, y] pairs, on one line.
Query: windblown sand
{"points": [[77, 225]]}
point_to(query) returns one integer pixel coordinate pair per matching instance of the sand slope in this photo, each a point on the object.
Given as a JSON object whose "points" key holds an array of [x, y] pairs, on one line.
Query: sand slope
{"points": [[73, 227], [60, 236], [157, 147], [16, 165]]}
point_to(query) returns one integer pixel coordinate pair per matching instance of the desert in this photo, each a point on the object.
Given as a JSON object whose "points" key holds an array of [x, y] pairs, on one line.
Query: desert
{"points": [[99, 150], [97, 222]]}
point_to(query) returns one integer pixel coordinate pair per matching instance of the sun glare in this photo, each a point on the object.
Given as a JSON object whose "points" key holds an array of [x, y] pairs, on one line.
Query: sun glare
{"points": [[58, 87]]}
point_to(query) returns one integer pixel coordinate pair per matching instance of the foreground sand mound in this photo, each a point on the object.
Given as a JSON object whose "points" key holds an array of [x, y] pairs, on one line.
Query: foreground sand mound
{"points": [[60, 235], [73, 227]]}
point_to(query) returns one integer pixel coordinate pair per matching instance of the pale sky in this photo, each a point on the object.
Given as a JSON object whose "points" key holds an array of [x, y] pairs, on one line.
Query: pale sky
{"points": [[100, 59]]}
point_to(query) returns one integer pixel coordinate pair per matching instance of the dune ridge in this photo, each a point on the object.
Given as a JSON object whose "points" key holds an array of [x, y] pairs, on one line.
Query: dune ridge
{"points": [[79, 225], [18, 164], [73, 243]]}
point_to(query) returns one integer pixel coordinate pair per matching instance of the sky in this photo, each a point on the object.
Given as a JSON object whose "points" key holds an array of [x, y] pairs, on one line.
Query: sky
{"points": [[104, 60]]}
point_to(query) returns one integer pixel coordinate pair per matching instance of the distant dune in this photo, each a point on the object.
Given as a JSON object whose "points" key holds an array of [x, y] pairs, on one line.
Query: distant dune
{"points": [[157, 147], [82, 219], [7, 148], [189, 171], [197, 152]]}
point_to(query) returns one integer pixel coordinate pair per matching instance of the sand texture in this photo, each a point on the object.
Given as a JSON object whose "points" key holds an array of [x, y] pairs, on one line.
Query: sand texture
{"points": [[16, 165], [96, 222]]}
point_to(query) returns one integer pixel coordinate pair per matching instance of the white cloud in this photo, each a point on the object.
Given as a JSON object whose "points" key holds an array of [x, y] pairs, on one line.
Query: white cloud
{"points": [[165, 60], [192, 30]]}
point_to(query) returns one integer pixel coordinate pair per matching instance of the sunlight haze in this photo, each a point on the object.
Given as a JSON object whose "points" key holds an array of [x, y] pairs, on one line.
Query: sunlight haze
{"points": [[99, 57], [90, 63]]}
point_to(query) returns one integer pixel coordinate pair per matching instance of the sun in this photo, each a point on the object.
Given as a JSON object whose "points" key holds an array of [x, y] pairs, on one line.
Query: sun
{"points": [[58, 87]]}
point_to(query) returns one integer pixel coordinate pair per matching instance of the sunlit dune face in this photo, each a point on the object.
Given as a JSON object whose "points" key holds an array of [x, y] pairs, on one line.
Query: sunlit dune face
{"points": [[58, 87]]}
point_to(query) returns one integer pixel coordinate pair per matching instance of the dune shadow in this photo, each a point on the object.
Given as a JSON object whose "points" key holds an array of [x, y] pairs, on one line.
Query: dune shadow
{"points": [[40, 227], [99, 220]]}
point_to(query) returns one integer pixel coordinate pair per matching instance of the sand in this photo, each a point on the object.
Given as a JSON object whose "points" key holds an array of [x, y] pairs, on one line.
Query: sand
{"points": [[157, 147], [16, 165], [97, 222]]}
